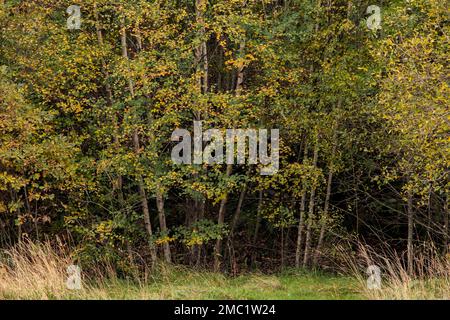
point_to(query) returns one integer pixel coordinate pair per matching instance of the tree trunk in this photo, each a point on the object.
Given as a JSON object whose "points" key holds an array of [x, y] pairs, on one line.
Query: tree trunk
{"points": [[258, 222], [324, 218], [327, 200], [202, 70], [163, 225], [159, 194], [313, 189], [410, 248], [301, 223], [201, 54], [282, 248], [136, 145], [446, 221], [301, 226], [240, 73], [237, 213], [220, 221], [308, 240], [223, 203], [234, 222]]}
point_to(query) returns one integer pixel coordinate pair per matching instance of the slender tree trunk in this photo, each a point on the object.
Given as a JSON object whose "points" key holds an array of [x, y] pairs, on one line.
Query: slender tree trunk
{"points": [[429, 219], [163, 225], [327, 200], [313, 189], [301, 226], [257, 224], [219, 75], [201, 53], [223, 203], [446, 227], [220, 221], [410, 253], [202, 69], [139, 39], [199, 215], [301, 223], [234, 223], [237, 213], [159, 194], [282, 248], [136, 145], [240, 73], [308, 240], [324, 218]]}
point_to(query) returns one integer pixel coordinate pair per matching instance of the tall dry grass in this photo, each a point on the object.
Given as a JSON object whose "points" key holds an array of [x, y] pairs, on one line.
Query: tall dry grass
{"points": [[39, 271], [34, 271], [430, 278]]}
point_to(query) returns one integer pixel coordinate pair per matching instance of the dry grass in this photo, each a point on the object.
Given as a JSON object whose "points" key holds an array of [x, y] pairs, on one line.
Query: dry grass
{"points": [[39, 271], [430, 278], [34, 271]]}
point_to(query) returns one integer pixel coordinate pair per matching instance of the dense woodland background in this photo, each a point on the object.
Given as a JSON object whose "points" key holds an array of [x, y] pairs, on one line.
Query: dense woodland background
{"points": [[86, 118]]}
